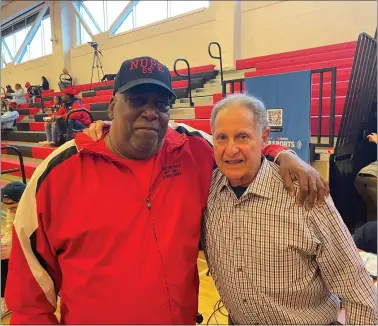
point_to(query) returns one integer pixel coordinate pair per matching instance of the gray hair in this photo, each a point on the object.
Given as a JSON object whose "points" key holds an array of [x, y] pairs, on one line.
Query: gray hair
{"points": [[252, 103]]}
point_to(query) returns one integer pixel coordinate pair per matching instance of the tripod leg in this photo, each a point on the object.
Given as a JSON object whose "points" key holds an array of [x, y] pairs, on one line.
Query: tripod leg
{"points": [[93, 66], [99, 60], [98, 72]]}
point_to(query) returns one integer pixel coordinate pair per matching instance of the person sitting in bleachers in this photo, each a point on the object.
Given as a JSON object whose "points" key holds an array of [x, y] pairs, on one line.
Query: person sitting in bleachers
{"points": [[8, 119], [50, 126], [9, 92], [366, 184], [18, 96], [10, 197], [33, 92], [45, 84], [66, 80], [78, 120]]}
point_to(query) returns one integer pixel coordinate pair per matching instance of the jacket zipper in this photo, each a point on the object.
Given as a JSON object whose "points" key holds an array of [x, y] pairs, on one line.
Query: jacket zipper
{"points": [[148, 203]]}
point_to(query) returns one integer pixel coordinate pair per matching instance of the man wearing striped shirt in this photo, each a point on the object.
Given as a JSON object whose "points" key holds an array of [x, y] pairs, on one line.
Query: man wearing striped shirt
{"points": [[274, 262]]}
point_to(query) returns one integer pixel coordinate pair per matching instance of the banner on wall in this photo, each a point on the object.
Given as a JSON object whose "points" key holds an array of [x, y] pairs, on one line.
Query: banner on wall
{"points": [[287, 98]]}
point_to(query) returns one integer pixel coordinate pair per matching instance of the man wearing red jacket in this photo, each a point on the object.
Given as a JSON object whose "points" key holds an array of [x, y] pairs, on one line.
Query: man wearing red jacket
{"points": [[78, 120], [123, 239]]}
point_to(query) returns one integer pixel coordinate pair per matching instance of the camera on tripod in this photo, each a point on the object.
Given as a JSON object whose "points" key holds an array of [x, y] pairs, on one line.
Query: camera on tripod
{"points": [[94, 45]]}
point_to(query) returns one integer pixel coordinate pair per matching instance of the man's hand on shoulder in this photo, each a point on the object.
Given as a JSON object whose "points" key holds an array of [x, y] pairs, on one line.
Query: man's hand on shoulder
{"points": [[312, 186], [96, 129]]}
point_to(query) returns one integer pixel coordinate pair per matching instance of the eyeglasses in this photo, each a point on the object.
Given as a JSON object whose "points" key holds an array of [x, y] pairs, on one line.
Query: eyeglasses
{"points": [[7, 201], [138, 102]]}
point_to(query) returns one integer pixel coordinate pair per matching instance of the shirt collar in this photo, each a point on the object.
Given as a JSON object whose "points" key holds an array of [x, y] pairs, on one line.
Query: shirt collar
{"points": [[260, 186]]}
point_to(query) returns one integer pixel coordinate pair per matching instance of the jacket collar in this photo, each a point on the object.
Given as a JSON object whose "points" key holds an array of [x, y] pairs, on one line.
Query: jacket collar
{"points": [[172, 141]]}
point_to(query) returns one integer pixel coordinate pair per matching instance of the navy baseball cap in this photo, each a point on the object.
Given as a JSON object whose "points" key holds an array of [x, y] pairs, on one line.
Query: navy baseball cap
{"points": [[13, 190], [144, 71]]}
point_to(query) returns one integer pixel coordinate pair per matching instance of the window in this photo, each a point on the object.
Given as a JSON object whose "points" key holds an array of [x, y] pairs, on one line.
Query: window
{"points": [[148, 12], [104, 13], [127, 24], [15, 32], [100, 13]]}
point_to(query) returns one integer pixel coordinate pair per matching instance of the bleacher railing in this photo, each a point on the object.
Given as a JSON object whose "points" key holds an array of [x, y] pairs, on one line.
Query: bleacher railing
{"points": [[40, 95], [219, 57], [21, 160], [60, 78], [331, 136], [4, 105], [232, 86], [75, 111], [187, 76]]}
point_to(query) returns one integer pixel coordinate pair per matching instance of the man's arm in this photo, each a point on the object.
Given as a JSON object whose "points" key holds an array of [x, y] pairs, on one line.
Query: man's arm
{"points": [[34, 275], [341, 267], [312, 187]]}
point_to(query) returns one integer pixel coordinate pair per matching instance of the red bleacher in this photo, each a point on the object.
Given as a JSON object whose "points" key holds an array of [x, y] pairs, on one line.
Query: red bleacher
{"points": [[12, 163], [96, 99], [251, 62], [339, 64], [195, 70]]}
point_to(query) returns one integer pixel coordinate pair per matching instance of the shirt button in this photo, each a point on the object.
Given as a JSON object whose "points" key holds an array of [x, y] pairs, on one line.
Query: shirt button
{"points": [[240, 269], [245, 300]]}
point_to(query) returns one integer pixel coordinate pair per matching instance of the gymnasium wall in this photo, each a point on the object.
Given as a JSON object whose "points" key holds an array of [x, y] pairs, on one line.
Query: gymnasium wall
{"points": [[278, 26], [244, 29]]}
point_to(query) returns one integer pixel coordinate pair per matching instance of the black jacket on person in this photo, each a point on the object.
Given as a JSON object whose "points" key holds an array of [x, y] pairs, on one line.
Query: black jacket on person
{"points": [[45, 85]]}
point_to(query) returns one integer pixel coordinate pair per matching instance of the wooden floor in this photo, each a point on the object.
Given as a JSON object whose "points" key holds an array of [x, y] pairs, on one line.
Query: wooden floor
{"points": [[207, 299]]}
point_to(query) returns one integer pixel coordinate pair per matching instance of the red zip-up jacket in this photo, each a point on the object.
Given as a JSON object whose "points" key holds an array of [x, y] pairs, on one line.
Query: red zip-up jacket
{"points": [[79, 116], [116, 239]]}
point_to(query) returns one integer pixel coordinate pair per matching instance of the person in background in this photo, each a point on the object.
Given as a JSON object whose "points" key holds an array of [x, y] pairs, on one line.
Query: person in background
{"points": [[77, 121], [10, 197], [365, 237], [8, 118], [18, 96], [272, 261], [57, 103], [157, 179], [9, 92], [45, 84], [66, 80], [50, 125], [366, 184]]}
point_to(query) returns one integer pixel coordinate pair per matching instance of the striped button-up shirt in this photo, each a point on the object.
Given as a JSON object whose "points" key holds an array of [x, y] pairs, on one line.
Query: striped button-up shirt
{"points": [[273, 262]]}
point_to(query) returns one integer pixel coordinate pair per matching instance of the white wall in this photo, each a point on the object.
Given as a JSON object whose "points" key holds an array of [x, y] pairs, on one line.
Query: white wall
{"points": [[279, 26]]}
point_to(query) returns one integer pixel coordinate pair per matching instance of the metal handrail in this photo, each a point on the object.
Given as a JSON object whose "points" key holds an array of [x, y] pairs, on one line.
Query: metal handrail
{"points": [[219, 57], [74, 111], [232, 83], [40, 96], [4, 104], [188, 77], [60, 78], [21, 160]]}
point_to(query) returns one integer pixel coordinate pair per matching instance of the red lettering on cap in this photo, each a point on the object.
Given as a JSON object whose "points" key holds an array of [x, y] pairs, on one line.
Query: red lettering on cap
{"points": [[153, 64], [160, 67], [134, 64], [144, 63]]}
